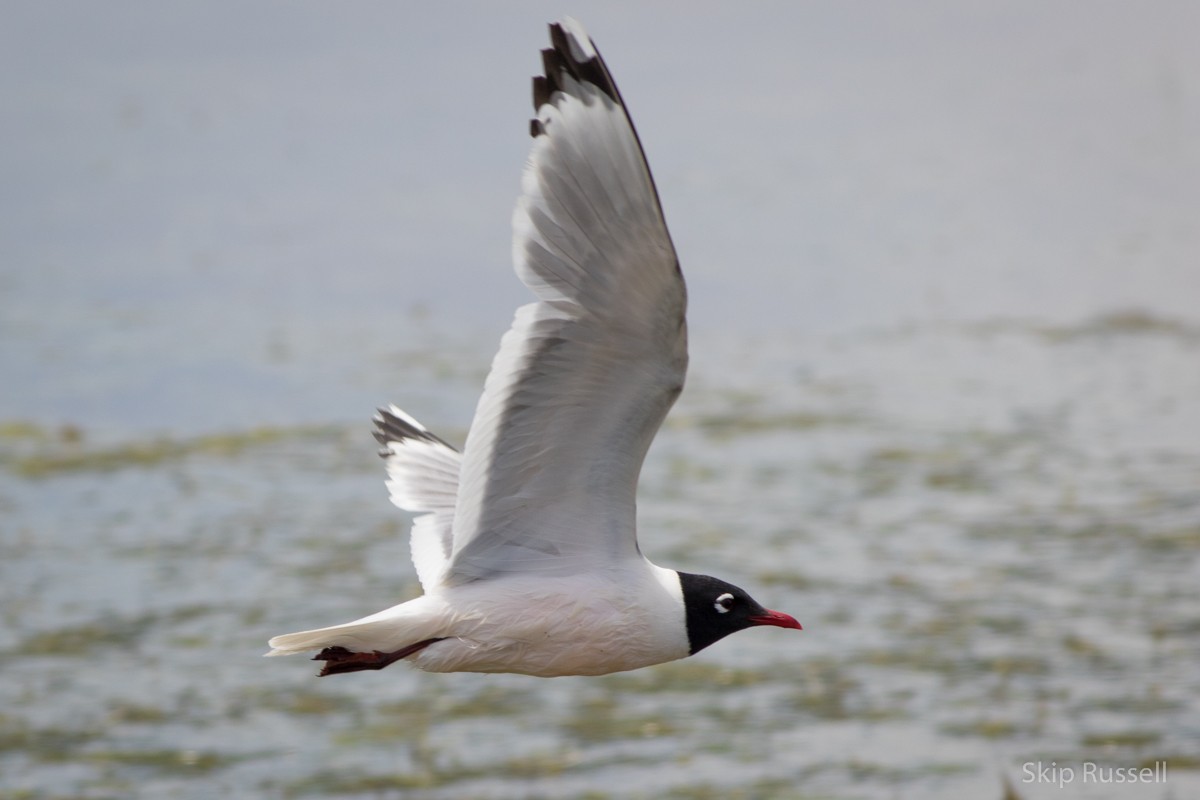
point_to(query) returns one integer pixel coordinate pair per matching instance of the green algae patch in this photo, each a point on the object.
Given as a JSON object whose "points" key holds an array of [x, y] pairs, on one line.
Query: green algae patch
{"points": [[301, 702], [777, 789], [987, 728], [860, 769], [84, 638], [20, 430], [78, 640], [17, 736], [598, 720], [337, 784], [1123, 322], [1147, 703], [1175, 539], [723, 426], [1116, 322], [61, 746], [931, 657], [960, 478], [54, 458], [331, 783], [685, 676], [410, 719], [1129, 738], [1175, 761], [488, 701], [790, 578], [136, 714], [168, 760]]}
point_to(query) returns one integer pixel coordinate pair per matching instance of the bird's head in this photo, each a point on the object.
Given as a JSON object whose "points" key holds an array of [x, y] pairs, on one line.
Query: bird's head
{"points": [[714, 609]]}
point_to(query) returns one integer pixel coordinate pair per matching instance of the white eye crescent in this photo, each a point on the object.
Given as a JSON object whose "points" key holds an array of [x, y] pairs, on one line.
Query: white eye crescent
{"points": [[724, 603]]}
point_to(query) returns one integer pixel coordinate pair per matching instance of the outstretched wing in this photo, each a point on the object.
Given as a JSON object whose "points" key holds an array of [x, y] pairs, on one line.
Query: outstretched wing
{"points": [[586, 374]]}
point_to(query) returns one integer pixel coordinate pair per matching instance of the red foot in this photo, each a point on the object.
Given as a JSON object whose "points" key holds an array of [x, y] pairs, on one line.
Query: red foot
{"points": [[339, 659]]}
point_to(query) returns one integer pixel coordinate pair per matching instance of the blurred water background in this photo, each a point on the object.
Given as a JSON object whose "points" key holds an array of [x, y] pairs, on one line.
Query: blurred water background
{"points": [[944, 403]]}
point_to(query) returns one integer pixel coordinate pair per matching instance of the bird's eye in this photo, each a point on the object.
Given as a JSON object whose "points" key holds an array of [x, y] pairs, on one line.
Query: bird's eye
{"points": [[724, 603]]}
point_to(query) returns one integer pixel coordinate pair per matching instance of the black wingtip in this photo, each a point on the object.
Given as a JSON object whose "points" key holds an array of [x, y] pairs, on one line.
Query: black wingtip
{"points": [[391, 428], [541, 91], [592, 70], [559, 61]]}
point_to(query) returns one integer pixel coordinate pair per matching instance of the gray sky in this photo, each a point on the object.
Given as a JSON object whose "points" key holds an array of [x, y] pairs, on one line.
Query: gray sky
{"points": [[260, 175]]}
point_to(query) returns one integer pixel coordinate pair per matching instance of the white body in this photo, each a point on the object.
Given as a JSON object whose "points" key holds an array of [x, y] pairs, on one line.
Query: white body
{"points": [[590, 624]]}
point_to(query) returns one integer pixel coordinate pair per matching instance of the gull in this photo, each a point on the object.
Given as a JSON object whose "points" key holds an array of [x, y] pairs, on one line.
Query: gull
{"points": [[526, 541]]}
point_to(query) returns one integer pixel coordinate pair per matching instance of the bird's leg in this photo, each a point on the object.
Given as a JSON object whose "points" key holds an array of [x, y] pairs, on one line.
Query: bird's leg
{"points": [[339, 659]]}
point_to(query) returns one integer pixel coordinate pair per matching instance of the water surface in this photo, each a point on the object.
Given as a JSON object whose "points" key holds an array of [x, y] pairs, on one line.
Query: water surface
{"points": [[944, 404]]}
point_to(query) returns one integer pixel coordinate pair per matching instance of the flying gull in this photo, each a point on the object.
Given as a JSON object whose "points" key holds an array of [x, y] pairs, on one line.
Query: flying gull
{"points": [[526, 544]]}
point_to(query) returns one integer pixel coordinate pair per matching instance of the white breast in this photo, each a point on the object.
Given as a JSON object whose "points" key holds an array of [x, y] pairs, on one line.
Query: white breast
{"points": [[609, 621]]}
